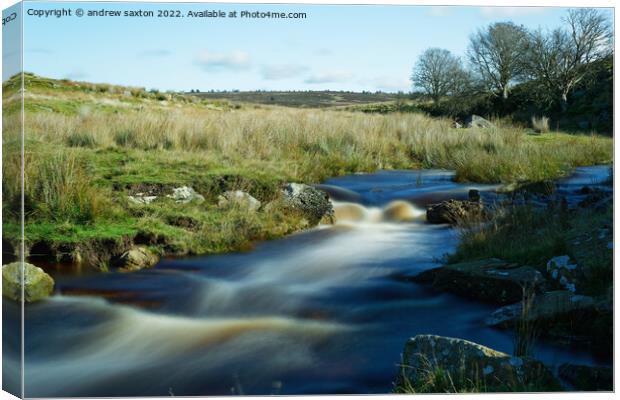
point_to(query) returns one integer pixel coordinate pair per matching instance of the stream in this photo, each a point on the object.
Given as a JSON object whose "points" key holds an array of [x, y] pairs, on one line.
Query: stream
{"points": [[326, 311]]}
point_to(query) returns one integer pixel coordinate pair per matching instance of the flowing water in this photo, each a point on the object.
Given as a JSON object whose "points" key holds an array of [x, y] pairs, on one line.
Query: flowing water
{"points": [[323, 311]]}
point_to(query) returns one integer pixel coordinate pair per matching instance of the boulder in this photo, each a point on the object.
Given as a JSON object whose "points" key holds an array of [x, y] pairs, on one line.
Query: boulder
{"points": [[313, 203], [136, 258], [37, 283], [587, 378], [186, 194], [453, 211], [489, 280], [549, 306], [561, 270], [476, 121], [239, 197], [468, 366], [142, 198]]}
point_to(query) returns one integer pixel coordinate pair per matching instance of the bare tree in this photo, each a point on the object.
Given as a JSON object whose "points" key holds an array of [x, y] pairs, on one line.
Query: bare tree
{"points": [[439, 73], [558, 59], [495, 54]]}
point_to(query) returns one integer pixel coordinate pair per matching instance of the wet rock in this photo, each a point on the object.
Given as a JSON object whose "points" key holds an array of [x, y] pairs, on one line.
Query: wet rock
{"points": [[587, 378], [549, 306], [136, 258], [453, 211], [313, 203], [469, 363], [473, 195], [489, 280], [37, 283], [239, 197], [476, 121], [186, 194], [561, 270]]}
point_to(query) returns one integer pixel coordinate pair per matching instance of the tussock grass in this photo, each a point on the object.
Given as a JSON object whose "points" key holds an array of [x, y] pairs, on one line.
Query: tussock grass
{"points": [[339, 141]]}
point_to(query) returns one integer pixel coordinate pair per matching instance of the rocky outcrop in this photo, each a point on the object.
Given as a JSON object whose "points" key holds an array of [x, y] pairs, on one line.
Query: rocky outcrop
{"points": [[489, 280], [476, 121], [186, 194], [313, 203], [240, 198], [136, 258], [453, 211], [37, 283], [468, 364], [549, 306], [587, 378]]}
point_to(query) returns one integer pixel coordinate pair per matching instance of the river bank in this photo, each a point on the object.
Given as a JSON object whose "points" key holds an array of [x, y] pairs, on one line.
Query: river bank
{"points": [[91, 148]]}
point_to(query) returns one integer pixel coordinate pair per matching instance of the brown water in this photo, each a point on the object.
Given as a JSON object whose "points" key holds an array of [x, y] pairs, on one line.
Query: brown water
{"points": [[324, 311]]}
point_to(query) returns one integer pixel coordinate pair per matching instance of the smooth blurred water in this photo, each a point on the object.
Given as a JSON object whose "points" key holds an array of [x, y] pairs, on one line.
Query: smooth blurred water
{"points": [[323, 311]]}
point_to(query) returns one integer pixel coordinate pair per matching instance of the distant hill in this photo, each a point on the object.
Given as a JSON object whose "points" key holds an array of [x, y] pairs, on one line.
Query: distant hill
{"points": [[311, 99]]}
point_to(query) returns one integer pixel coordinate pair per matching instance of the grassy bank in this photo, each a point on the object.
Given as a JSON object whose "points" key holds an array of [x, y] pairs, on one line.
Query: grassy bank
{"points": [[529, 236], [89, 146]]}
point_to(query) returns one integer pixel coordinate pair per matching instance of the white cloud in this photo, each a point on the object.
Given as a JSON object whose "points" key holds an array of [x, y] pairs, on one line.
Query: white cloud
{"points": [[329, 77], [235, 60], [507, 12], [277, 72]]}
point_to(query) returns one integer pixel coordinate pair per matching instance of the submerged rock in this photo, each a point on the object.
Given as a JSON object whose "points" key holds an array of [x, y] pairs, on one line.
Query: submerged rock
{"points": [[587, 378], [549, 306], [469, 364], [490, 280], [313, 203], [186, 194], [453, 211], [136, 258], [37, 283], [239, 197]]}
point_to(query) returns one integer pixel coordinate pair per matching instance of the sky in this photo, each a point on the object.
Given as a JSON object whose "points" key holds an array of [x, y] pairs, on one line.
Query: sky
{"points": [[334, 48]]}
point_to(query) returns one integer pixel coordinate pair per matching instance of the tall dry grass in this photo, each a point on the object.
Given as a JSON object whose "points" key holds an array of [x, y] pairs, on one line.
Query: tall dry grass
{"points": [[358, 141], [310, 144]]}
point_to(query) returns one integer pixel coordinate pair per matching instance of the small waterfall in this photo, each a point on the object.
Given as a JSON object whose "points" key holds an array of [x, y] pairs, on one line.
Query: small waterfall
{"points": [[395, 211]]}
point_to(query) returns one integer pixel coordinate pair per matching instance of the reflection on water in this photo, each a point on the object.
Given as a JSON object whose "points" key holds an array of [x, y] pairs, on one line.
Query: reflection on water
{"points": [[322, 311]]}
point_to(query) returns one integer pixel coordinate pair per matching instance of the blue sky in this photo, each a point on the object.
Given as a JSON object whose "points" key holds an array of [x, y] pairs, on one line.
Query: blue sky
{"points": [[335, 47]]}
